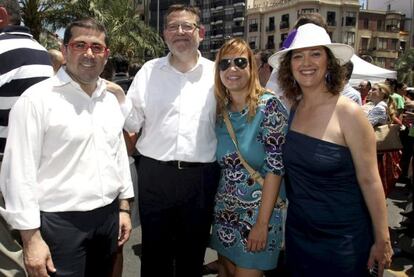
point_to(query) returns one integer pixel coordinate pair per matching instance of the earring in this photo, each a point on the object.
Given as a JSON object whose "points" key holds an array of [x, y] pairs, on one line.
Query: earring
{"points": [[328, 78], [295, 84]]}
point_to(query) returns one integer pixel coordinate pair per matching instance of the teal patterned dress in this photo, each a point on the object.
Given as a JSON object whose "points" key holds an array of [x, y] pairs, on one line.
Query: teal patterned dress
{"points": [[238, 197]]}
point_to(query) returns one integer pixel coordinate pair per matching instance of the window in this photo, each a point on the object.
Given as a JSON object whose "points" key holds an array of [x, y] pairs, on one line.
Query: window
{"points": [[364, 44], [380, 25], [308, 11], [270, 42], [284, 23], [253, 25], [382, 44], [252, 42], [331, 18], [350, 19], [271, 26], [349, 38], [393, 44], [365, 23]]}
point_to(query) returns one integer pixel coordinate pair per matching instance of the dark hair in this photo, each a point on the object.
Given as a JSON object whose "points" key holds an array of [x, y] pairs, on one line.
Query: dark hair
{"points": [[13, 10], [121, 63], [133, 69], [88, 23], [314, 18], [349, 68], [292, 90], [264, 55], [181, 7]]}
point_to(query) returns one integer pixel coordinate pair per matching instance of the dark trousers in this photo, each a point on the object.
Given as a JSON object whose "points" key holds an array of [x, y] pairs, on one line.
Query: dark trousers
{"points": [[82, 243], [176, 210]]}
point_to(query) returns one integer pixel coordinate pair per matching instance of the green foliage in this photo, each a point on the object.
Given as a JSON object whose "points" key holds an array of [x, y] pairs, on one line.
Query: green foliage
{"points": [[128, 34], [405, 68]]}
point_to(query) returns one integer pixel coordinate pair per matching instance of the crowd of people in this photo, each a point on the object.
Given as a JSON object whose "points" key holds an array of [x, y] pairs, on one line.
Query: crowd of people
{"points": [[199, 153]]}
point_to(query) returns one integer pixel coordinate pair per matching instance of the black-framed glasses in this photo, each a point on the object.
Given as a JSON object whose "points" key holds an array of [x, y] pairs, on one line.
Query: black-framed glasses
{"points": [[81, 46], [240, 62], [185, 27]]}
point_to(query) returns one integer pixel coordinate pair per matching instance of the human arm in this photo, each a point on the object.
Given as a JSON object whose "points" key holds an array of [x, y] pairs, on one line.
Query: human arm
{"points": [[274, 128], [125, 226], [130, 141], [360, 139], [36, 254], [116, 90]]}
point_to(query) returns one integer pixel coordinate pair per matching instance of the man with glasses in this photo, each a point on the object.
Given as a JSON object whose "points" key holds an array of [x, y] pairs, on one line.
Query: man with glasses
{"points": [[65, 175], [172, 100]]}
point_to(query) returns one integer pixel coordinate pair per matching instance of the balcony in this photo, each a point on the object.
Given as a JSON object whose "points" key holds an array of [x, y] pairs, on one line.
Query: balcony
{"points": [[238, 29], [239, 3], [331, 23], [350, 21], [284, 25], [253, 27], [270, 28]]}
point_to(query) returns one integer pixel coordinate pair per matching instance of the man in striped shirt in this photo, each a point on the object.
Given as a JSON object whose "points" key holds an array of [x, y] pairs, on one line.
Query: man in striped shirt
{"points": [[23, 62]]}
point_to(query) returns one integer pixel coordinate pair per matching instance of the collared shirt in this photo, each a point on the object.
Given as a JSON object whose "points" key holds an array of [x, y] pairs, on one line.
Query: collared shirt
{"points": [[65, 152], [23, 63], [176, 111], [352, 94]]}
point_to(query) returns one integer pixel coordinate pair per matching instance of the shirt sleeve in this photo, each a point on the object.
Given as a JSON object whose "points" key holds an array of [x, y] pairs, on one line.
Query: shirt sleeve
{"points": [[127, 189], [133, 109], [18, 179], [274, 126], [377, 115]]}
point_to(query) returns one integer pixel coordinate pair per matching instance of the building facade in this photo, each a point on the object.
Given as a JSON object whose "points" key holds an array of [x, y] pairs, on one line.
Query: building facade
{"points": [[269, 21]]}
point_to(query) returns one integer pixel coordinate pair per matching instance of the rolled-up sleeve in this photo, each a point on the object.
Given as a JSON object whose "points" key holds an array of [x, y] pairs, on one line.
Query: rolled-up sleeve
{"points": [[18, 178], [133, 108]]}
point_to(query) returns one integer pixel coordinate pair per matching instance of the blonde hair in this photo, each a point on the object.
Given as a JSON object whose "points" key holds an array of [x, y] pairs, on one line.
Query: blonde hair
{"points": [[237, 46], [386, 90]]}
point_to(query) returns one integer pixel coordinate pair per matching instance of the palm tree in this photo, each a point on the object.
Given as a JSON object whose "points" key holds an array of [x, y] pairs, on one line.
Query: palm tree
{"points": [[405, 68], [128, 34]]}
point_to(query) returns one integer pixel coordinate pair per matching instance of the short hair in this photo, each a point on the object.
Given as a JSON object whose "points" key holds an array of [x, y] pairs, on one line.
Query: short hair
{"points": [[88, 23], [121, 63], [133, 69], [292, 90], [13, 10], [264, 55], [237, 46], [349, 68], [181, 7], [314, 18]]}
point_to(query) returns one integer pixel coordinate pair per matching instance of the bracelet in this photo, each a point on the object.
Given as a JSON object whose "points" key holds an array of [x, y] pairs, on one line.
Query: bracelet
{"points": [[128, 211]]}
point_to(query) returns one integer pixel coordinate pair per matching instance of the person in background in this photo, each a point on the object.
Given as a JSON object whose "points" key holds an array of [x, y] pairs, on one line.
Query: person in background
{"points": [[247, 225], [56, 58], [172, 100], [23, 63], [133, 69], [264, 68], [121, 76], [364, 88], [330, 162], [349, 91], [65, 175], [397, 98]]}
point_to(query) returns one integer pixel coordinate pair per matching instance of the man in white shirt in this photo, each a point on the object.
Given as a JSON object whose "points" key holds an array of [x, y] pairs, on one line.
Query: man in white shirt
{"points": [[65, 173], [172, 100]]}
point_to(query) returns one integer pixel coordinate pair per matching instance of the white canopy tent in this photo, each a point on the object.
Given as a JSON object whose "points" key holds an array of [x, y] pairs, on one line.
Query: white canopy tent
{"points": [[366, 71]]}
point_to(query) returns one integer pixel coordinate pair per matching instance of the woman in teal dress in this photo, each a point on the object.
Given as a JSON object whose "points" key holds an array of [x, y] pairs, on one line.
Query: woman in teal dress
{"points": [[247, 225]]}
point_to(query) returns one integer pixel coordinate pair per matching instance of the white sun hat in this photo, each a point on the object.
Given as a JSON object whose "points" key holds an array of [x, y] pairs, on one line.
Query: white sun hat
{"points": [[311, 35]]}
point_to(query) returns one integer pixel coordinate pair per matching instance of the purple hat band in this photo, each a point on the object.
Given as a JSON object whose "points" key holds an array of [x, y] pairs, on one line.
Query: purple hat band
{"points": [[289, 39]]}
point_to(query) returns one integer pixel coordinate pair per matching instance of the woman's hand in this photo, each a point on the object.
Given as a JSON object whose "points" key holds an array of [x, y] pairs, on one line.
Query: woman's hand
{"points": [[257, 238], [116, 90], [381, 252]]}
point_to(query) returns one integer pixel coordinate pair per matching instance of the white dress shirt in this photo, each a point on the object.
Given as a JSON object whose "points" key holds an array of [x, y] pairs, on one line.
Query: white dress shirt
{"points": [[65, 152], [176, 111]]}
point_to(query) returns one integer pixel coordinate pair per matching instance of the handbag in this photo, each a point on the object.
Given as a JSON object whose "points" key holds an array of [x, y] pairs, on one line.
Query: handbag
{"points": [[253, 173], [388, 137]]}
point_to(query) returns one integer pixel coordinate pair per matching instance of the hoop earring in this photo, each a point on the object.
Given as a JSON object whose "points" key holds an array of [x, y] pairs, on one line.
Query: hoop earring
{"points": [[328, 78]]}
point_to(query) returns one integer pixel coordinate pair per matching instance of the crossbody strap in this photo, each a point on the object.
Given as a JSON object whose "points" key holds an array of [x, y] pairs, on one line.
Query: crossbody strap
{"points": [[253, 173]]}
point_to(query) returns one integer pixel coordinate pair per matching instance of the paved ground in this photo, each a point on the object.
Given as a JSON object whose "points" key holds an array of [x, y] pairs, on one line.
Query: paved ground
{"points": [[395, 203]]}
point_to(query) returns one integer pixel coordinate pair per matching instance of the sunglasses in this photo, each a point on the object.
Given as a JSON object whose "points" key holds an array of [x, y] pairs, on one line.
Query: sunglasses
{"points": [[81, 46], [240, 62]]}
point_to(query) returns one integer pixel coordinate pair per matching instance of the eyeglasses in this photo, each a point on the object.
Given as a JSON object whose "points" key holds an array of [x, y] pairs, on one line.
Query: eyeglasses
{"points": [[185, 27], [240, 62], [81, 46]]}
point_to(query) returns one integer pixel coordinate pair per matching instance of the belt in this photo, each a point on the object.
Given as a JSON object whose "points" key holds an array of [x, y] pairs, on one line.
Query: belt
{"points": [[181, 164]]}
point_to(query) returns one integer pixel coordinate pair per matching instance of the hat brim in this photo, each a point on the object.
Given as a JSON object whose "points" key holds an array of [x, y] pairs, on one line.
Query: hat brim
{"points": [[342, 52]]}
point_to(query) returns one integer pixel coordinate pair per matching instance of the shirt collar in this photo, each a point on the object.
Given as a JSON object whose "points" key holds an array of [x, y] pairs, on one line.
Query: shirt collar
{"points": [[62, 78], [165, 63], [16, 30]]}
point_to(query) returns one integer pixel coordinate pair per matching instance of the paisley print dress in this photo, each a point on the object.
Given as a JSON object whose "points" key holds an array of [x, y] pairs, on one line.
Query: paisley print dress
{"points": [[238, 197]]}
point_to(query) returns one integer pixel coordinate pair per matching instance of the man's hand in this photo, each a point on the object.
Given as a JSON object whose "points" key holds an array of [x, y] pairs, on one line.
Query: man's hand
{"points": [[36, 253], [125, 228], [116, 90]]}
